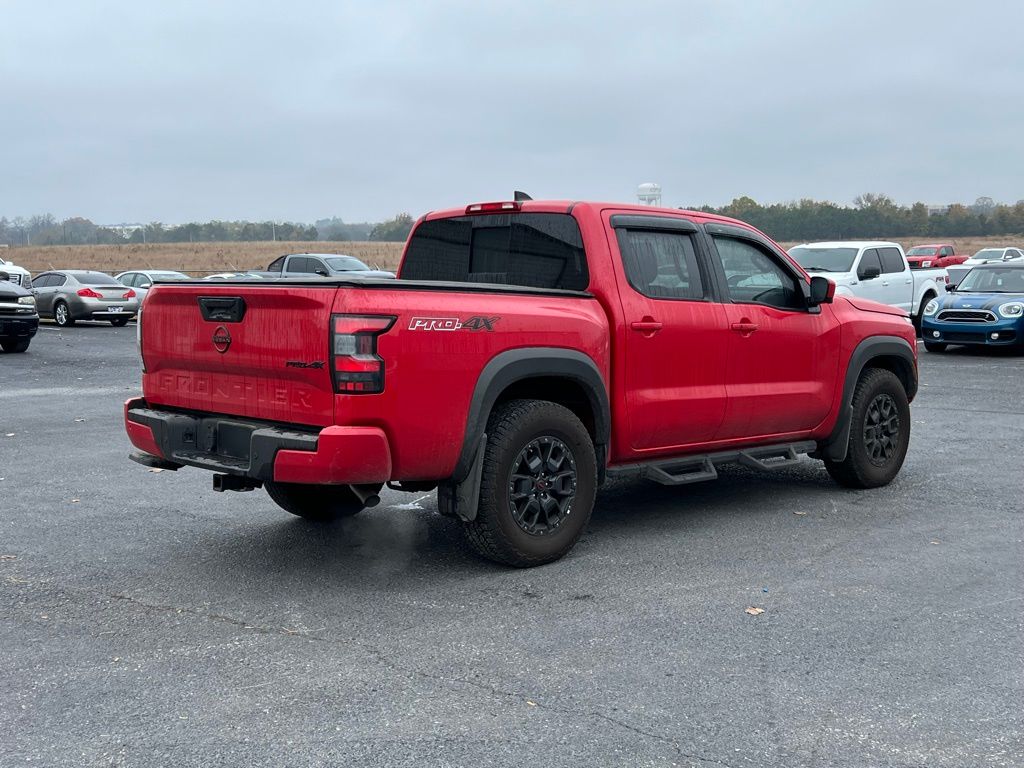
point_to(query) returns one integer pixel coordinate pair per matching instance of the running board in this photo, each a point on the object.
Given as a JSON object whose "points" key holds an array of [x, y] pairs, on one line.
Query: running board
{"points": [[700, 467]]}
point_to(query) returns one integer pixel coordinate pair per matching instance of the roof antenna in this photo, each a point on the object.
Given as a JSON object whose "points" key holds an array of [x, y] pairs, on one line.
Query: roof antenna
{"points": [[520, 196]]}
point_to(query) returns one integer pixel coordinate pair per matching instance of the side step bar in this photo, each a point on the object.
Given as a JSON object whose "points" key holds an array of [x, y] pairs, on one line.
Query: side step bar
{"points": [[694, 469]]}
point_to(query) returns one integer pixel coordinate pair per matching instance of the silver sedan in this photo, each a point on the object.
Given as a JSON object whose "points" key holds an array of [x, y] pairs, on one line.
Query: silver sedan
{"points": [[68, 295]]}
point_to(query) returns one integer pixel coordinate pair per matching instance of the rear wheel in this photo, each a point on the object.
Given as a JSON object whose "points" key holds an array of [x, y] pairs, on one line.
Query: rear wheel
{"points": [[62, 314], [879, 432], [15, 345], [315, 502], [538, 484], [120, 322], [934, 346]]}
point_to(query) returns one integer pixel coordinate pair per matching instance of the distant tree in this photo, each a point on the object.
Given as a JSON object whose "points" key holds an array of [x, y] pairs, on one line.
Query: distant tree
{"points": [[393, 230]]}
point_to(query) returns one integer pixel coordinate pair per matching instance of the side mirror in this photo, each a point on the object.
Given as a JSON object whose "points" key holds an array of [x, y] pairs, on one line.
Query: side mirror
{"points": [[869, 273], [4, 276], [321, 272], [822, 291], [144, 286], [950, 287]]}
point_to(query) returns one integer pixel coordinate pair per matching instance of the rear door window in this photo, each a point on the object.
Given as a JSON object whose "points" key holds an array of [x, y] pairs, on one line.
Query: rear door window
{"points": [[892, 262], [536, 250], [56, 280], [661, 265], [300, 265]]}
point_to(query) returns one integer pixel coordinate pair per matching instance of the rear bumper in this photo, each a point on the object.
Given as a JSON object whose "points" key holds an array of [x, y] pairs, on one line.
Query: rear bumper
{"points": [[260, 450]]}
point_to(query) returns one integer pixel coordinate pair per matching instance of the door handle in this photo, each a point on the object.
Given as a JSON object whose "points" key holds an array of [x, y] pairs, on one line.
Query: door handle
{"points": [[648, 326], [885, 283], [744, 327]]}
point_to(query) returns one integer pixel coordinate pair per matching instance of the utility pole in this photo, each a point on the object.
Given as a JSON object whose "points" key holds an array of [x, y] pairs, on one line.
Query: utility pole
{"points": [[273, 231]]}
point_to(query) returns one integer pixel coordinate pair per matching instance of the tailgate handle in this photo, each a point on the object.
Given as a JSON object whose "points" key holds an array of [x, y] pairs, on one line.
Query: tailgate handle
{"points": [[222, 309]]}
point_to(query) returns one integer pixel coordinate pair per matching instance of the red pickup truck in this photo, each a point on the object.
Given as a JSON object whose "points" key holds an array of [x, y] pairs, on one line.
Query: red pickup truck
{"points": [[933, 255], [527, 351]]}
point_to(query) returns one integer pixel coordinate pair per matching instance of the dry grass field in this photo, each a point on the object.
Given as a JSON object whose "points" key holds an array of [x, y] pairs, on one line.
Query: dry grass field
{"points": [[202, 258], [197, 258]]}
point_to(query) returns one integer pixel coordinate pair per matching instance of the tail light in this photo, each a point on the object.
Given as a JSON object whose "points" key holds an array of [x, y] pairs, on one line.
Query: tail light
{"points": [[493, 207], [89, 293], [129, 295], [355, 364]]}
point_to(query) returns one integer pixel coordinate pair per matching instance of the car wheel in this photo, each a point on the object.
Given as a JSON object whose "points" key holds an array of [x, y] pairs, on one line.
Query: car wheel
{"points": [[315, 502], [120, 322], [934, 346], [879, 432], [538, 484], [62, 314], [920, 310], [17, 345]]}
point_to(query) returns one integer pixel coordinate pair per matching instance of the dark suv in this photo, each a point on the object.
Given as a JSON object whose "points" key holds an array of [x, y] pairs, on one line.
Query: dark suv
{"points": [[19, 320]]}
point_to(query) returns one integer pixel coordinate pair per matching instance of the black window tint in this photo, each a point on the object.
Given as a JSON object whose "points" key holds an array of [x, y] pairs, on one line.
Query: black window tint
{"points": [[661, 265], [754, 277], [300, 265], [946, 251], [891, 260], [277, 265], [41, 281], [537, 250], [57, 280], [869, 260]]}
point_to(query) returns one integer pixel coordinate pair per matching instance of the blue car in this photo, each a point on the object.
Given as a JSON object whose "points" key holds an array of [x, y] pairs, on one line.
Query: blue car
{"points": [[987, 308]]}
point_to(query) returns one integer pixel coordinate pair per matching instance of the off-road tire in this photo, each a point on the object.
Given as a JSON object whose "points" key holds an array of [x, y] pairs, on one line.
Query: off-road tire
{"points": [[120, 322], [68, 320], [17, 345], [321, 503], [934, 346], [511, 429], [879, 394]]}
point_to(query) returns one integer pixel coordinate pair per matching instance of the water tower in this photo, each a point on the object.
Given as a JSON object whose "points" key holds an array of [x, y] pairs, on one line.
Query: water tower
{"points": [[649, 194]]}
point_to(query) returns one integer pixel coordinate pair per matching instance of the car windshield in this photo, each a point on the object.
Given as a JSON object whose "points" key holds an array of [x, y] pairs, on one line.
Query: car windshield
{"points": [[921, 251], [1007, 280], [94, 278], [824, 259], [345, 264], [989, 253], [168, 276]]}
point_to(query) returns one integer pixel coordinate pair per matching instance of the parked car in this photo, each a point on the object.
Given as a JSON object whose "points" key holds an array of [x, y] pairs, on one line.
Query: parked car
{"points": [[69, 295], [984, 256], [873, 270], [987, 308], [324, 265], [528, 350], [934, 255], [140, 280], [15, 274], [18, 318]]}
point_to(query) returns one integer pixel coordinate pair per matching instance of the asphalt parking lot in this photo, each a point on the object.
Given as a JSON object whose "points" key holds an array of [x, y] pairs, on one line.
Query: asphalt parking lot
{"points": [[148, 621]]}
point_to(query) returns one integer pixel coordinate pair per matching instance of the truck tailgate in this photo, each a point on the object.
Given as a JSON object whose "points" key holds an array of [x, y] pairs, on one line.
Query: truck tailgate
{"points": [[264, 355]]}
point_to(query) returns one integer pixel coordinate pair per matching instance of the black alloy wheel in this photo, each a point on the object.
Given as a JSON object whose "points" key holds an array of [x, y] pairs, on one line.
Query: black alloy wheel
{"points": [[542, 485], [881, 429]]}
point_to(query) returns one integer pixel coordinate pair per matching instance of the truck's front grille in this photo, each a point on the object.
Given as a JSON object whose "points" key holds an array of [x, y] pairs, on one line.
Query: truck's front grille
{"points": [[966, 316]]}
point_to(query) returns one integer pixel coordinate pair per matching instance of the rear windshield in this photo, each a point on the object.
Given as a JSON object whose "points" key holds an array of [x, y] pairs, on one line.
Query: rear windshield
{"points": [[536, 250], [94, 279]]}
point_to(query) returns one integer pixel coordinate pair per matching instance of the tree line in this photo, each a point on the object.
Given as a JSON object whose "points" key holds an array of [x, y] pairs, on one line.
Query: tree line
{"points": [[874, 215], [45, 229]]}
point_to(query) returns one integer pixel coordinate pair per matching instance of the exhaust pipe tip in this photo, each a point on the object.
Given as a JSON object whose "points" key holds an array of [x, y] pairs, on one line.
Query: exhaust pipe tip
{"points": [[367, 494]]}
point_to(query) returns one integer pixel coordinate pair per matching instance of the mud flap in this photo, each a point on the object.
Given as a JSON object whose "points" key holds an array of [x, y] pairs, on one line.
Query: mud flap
{"points": [[462, 499]]}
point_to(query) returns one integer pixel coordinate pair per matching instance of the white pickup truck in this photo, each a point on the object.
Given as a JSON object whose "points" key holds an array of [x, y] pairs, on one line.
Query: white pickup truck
{"points": [[873, 269], [16, 274]]}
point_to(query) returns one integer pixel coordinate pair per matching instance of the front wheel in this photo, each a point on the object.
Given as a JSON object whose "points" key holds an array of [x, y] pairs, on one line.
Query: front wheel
{"points": [[538, 484], [62, 314], [321, 503], [879, 432], [18, 345], [934, 346]]}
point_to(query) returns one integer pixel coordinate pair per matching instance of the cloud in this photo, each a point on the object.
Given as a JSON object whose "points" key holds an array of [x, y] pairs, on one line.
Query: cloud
{"points": [[129, 111]]}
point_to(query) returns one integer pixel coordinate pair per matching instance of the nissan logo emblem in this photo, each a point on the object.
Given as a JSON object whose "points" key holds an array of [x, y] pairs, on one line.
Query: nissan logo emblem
{"points": [[221, 339]]}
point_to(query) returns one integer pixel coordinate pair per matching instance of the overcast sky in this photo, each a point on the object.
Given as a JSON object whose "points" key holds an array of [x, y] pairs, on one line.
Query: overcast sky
{"points": [[140, 111]]}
